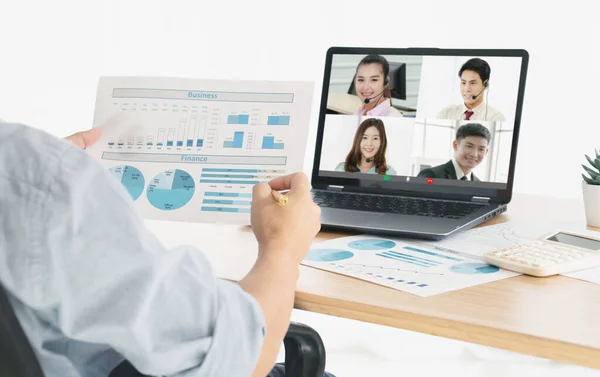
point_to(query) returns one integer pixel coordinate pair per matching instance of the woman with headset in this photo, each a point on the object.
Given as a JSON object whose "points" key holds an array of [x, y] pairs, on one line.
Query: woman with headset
{"points": [[368, 150], [371, 83]]}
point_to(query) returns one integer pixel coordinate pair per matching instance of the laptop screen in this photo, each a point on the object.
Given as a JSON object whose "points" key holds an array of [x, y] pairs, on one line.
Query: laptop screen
{"points": [[434, 120]]}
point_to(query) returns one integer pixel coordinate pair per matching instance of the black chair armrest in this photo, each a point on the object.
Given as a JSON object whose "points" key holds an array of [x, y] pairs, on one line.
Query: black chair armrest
{"points": [[304, 355], [304, 352]]}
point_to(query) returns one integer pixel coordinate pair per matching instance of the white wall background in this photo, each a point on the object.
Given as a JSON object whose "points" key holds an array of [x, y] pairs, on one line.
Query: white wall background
{"points": [[440, 84], [52, 53], [339, 136]]}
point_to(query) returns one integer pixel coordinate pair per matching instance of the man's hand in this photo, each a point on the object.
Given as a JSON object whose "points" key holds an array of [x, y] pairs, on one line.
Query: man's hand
{"points": [[84, 139], [289, 228]]}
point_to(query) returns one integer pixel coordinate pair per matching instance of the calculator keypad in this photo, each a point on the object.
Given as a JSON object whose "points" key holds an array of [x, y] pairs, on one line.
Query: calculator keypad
{"points": [[539, 254]]}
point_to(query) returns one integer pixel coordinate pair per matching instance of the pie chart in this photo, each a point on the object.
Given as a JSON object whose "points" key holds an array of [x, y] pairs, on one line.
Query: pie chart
{"points": [[372, 244], [131, 178], [474, 268], [171, 189], [328, 255]]}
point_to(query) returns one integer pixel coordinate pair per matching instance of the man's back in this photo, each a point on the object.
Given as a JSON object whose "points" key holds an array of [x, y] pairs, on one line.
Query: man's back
{"points": [[91, 286]]}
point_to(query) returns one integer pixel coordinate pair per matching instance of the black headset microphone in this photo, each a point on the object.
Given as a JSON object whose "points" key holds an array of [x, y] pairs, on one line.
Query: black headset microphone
{"points": [[367, 100], [478, 94]]}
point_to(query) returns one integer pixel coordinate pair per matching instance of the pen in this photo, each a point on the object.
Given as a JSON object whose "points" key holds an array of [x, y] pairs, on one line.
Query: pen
{"points": [[279, 198]]}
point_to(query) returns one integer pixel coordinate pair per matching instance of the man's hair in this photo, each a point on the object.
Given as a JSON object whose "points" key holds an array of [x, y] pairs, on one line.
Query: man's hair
{"points": [[478, 65], [473, 129]]}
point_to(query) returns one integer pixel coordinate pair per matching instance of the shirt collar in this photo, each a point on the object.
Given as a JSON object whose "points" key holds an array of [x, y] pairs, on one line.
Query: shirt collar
{"points": [[459, 172], [476, 110]]}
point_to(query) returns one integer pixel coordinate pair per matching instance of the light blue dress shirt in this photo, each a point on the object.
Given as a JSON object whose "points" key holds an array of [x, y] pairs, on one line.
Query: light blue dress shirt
{"points": [[91, 286]]}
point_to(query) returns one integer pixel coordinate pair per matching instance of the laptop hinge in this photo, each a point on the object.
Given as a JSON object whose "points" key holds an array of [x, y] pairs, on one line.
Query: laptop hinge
{"points": [[335, 188], [480, 199]]}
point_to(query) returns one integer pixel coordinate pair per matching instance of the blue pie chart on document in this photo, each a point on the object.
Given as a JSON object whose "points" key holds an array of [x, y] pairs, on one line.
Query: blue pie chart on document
{"points": [[328, 255], [372, 244], [131, 178], [171, 189], [474, 268]]}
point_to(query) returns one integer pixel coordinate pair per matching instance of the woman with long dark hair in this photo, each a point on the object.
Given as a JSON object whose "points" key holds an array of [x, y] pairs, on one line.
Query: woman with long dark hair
{"points": [[368, 150]]}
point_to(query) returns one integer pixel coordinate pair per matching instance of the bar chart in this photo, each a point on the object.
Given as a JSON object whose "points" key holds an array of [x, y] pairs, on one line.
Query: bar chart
{"points": [[272, 142], [203, 128], [278, 120], [236, 141]]}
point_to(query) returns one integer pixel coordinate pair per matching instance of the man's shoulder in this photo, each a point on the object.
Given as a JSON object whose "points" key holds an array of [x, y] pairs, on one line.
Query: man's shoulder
{"points": [[33, 156], [449, 111], [438, 171]]}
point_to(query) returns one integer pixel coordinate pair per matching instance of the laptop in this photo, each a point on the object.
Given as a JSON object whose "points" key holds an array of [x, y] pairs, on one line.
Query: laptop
{"points": [[417, 142]]}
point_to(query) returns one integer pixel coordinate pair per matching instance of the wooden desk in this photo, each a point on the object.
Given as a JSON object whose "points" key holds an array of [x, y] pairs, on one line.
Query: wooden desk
{"points": [[556, 318]]}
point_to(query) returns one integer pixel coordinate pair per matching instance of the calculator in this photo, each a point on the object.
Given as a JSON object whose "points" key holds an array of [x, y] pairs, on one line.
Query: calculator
{"points": [[555, 253]]}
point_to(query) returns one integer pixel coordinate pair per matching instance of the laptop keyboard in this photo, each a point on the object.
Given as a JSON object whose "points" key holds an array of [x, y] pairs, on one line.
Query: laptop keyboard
{"points": [[395, 204]]}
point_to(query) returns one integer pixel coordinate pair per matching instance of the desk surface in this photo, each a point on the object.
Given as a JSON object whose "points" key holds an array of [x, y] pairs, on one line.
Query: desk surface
{"points": [[556, 317]]}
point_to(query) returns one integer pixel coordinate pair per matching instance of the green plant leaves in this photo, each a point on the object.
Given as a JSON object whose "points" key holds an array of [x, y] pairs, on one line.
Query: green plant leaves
{"points": [[590, 181], [591, 172], [595, 162]]}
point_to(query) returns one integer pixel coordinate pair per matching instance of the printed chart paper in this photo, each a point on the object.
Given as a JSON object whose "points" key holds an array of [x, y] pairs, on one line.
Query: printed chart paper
{"points": [[409, 267], [191, 150]]}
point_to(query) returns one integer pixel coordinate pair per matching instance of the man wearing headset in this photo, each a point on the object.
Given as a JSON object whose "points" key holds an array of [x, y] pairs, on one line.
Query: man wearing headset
{"points": [[474, 82]]}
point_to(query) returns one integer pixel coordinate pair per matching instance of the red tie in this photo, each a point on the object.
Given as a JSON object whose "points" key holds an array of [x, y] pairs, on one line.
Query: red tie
{"points": [[468, 114]]}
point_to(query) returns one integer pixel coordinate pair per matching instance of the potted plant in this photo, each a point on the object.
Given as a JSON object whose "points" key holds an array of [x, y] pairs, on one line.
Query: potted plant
{"points": [[591, 191]]}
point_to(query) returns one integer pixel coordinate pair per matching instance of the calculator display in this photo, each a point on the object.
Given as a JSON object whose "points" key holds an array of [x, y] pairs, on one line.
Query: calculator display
{"points": [[569, 239]]}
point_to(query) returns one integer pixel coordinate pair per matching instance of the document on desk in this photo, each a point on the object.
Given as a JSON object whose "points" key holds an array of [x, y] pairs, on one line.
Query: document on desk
{"points": [[477, 241], [410, 267], [191, 150]]}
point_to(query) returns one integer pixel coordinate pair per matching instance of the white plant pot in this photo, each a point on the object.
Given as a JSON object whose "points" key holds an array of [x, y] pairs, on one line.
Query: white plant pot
{"points": [[591, 203]]}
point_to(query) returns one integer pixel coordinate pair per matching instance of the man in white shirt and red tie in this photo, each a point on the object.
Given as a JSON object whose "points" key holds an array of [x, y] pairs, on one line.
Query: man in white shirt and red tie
{"points": [[474, 82]]}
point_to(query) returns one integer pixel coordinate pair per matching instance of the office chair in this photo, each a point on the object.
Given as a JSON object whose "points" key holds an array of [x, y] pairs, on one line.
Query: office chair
{"points": [[304, 350]]}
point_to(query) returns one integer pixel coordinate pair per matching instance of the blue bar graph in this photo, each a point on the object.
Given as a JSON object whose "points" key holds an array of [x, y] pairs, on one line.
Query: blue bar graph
{"points": [[238, 119], [269, 143], [200, 142], [419, 259], [159, 144], [229, 181], [221, 170], [431, 253], [227, 201], [208, 175], [225, 209], [402, 259], [238, 140], [190, 143], [278, 120], [180, 143], [228, 194], [169, 143]]}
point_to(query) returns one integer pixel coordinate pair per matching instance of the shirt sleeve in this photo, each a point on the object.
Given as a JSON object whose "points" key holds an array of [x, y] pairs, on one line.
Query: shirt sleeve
{"points": [[108, 279]]}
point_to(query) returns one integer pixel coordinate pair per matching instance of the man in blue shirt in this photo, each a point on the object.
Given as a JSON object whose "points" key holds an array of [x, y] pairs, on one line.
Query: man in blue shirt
{"points": [[91, 286]]}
